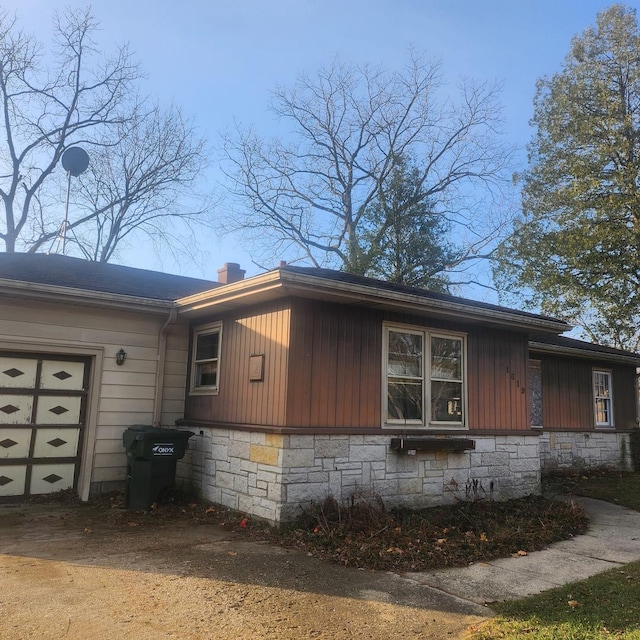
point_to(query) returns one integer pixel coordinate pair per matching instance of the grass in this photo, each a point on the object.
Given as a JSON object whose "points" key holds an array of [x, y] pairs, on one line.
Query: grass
{"points": [[604, 606], [621, 488]]}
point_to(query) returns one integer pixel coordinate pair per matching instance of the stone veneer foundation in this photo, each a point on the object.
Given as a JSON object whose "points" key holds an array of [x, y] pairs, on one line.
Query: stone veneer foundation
{"points": [[271, 476], [572, 450]]}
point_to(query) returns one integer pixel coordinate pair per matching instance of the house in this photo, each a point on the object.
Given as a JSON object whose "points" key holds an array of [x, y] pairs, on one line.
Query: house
{"points": [[297, 384]]}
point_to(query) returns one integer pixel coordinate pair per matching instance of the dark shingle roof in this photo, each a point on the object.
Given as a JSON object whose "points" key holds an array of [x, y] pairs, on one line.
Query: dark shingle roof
{"points": [[63, 271], [340, 276], [597, 350]]}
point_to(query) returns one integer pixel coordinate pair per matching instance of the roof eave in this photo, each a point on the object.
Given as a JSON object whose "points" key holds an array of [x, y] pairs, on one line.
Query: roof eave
{"points": [[282, 283], [55, 293], [543, 347]]}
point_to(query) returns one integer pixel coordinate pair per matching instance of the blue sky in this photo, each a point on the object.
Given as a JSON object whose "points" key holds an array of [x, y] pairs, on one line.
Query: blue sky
{"points": [[220, 59]]}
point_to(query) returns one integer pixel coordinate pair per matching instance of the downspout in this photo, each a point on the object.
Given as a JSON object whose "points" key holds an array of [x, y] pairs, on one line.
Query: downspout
{"points": [[162, 356]]}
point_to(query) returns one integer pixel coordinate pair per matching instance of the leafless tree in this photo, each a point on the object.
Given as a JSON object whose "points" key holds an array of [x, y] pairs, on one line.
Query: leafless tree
{"points": [[142, 158], [144, 184], [342, 129]]}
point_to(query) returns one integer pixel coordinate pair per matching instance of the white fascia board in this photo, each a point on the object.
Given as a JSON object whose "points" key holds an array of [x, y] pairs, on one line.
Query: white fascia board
{"points": [[69, 295]]}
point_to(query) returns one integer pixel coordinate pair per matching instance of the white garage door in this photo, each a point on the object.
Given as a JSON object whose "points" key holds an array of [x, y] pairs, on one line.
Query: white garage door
{"points": [[42, 417]]}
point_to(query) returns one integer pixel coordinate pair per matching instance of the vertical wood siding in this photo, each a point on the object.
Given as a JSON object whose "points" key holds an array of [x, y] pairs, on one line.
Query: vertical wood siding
{"points": [[335, 366], [497, 375], [239, 400], [567, 393]]}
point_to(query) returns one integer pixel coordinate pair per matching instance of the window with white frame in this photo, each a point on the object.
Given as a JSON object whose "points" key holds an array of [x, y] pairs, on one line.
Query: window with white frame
{"points": [[206, 358], [424, 377], [602, 395]]}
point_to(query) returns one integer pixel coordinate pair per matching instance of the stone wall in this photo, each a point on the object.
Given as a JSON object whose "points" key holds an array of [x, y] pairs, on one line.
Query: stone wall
{"points": [[271, 476], [576, 450]]}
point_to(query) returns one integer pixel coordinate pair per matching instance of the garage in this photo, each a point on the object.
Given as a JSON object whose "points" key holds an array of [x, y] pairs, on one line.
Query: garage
{"points": [[43, 409]]}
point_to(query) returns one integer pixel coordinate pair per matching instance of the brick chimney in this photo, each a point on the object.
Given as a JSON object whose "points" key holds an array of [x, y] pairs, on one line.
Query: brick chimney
{"points": [[230, 272]]}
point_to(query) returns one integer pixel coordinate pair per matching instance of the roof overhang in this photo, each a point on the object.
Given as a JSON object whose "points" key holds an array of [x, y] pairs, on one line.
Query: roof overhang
{"points": [[17, 289], [281, 283], [588, 353]]}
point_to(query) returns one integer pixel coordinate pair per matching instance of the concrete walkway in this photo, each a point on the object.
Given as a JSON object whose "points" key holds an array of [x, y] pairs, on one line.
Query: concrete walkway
{"points": [[613, 539]]}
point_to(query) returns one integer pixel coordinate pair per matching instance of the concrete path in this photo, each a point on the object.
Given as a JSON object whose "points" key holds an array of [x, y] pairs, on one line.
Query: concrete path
{"points": [[613, 539]]}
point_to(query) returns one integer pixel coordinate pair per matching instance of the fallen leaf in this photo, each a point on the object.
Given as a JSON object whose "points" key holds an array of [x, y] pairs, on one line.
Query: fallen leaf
{"points": [[483, 537], [573, 604], [87, 530], [132, 524], [522, 553], [232, 553]]}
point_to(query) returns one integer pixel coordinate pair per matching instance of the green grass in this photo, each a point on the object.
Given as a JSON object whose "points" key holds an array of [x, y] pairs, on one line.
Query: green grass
{"points": [[619, 488], [604, 606]]}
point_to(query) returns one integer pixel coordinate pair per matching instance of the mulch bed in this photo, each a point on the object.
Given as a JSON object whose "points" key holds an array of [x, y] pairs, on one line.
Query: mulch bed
{"points": [[361, 533]]}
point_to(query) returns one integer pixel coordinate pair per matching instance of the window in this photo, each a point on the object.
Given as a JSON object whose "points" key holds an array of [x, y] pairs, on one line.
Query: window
{"points": [[535, 392], [206, 358], [602, 398], [424, 378]]}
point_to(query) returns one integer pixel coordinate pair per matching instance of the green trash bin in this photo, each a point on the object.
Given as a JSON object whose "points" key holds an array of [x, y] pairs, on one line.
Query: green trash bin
{"points": [[152, 454]]}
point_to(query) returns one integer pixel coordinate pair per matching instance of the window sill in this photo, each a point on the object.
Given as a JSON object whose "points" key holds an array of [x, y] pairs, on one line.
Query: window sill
{"points": [[203, 392]]}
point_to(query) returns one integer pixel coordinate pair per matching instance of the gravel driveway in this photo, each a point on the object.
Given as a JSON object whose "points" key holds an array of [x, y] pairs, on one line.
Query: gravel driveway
{"points": [[67, 573]]}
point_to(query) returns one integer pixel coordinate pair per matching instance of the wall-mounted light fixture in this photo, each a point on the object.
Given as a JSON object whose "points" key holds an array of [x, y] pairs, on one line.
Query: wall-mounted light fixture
{"points": [[121, 356]]}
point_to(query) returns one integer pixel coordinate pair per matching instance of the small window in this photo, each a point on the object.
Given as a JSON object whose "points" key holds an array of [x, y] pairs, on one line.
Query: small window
{"points": [[603, 398], [206, 358]]}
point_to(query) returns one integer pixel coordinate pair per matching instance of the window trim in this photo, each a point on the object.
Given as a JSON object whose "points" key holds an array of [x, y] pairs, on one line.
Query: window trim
{"points": [[609, 374], [206, 329], [426, 423]]}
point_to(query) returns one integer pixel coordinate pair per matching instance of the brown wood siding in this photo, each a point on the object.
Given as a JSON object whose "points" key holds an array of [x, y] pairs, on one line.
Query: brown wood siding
{"points": [[334, 364], [335, 367], [567, 393], [497, 374], [239, 400], [624, 397]]}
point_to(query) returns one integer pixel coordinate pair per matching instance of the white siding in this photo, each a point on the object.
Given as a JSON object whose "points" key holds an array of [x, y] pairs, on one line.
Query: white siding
{"points": [[119, 396]]}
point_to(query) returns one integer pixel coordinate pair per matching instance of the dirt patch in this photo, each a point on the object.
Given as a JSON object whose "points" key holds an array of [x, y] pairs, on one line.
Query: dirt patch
{"points": [[99, 571]]}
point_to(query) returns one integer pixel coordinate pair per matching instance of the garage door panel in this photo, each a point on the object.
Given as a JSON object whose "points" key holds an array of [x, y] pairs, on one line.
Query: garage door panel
{"points": [[56, 443], [42, 409], [18, 373], [49, 478], [15, 409], [12, 480], [14, 443], [58, 410], [60, 374]]}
